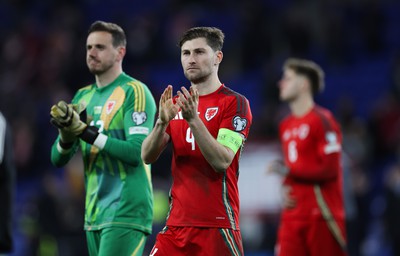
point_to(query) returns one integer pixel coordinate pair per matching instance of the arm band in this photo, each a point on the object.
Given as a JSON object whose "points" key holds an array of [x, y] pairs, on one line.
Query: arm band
{"points": [[90, 134], [230, 139], [63, 150], [65, 145], [100, 141]]}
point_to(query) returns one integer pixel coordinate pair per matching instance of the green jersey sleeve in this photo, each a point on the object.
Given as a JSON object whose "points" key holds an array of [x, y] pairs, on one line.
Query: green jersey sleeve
{"points": [[138, 119], [59, 156]]}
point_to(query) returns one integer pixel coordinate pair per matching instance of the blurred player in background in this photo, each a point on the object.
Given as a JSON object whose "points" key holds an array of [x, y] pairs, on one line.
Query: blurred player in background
{"points": [[109, 120], [313, 218], [207, 126], [7, 182]]}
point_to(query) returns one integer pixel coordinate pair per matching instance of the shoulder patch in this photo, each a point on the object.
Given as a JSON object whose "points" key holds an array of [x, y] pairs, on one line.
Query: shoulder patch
{"points": [[239, 123], [139, 117]]}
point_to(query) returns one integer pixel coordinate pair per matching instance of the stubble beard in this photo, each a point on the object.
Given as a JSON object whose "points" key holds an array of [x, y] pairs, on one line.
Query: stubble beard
{"points": [[197, 78], [101, 70]]}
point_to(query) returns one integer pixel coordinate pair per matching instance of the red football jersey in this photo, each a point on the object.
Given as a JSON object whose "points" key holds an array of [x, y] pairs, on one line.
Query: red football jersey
{"points": [[312, 152], [201, 197]]}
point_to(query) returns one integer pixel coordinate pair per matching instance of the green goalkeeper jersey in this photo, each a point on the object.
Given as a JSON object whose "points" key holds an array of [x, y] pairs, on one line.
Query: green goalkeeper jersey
{"points": [[118, 183]]}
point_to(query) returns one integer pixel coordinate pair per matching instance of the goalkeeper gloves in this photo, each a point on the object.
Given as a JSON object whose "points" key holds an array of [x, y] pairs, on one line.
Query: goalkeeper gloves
{"points": [[67, 118], [61, 117], [68, 122]]}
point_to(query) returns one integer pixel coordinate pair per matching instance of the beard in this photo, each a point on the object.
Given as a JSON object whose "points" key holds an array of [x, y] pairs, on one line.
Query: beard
{"points": [[197, 78], [99, 67]]}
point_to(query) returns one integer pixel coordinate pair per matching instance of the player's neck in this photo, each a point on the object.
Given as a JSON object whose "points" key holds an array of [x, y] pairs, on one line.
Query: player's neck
{"points": [[301, 106], [108, 77], [208, 86]]}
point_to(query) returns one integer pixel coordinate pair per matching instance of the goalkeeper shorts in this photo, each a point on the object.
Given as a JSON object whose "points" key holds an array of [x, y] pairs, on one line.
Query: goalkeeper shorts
{"points": [[116, 241]]}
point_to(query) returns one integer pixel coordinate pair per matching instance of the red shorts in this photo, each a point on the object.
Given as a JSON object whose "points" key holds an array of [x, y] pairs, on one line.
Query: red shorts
{"points": [[307, 238], [197, 241]]}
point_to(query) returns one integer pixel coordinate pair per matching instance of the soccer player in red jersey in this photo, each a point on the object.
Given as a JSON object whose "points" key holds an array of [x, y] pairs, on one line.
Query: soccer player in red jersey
{"points": [[207, 126], [312, 220]]}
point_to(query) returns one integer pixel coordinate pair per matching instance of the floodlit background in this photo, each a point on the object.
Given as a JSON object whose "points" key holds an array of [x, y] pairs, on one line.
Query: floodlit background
{"points": [[357, 42]]}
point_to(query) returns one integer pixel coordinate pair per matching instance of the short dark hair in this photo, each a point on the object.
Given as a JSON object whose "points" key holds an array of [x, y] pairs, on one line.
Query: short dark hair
{"points": [[117, 33], [214, 36], [312, 71]]}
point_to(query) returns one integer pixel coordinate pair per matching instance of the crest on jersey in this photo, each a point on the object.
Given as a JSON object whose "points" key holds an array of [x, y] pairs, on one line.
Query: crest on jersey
{"points": [[110, 106], [210, 113], [139, 117], [239, 123]]}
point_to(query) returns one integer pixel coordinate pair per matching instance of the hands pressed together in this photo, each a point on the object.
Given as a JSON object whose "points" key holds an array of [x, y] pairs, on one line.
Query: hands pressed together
{"points": [[66, 117], [186, 101]]}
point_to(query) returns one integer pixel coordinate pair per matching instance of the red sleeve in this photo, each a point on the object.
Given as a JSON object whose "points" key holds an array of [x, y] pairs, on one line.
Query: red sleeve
{"points": [[237, 115]]}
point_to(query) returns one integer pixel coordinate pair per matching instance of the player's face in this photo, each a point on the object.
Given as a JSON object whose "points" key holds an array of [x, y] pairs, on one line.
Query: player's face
{"points": [[199, 60], [100, 53], [290, 85]]}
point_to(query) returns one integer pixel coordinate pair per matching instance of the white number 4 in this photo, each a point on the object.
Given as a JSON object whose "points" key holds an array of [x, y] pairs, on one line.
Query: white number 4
{"points": [[190, 138]]}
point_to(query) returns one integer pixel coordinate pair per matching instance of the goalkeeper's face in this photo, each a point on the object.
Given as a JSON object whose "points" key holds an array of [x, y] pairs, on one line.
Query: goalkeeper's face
{"points": [[101, 55]]}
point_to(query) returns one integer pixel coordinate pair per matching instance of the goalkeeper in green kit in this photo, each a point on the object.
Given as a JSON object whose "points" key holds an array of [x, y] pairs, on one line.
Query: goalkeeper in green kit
{"points": [[108, 120]]}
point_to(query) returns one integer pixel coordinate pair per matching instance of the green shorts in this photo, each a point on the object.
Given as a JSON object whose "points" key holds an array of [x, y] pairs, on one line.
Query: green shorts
{"points": [[115, 241]]}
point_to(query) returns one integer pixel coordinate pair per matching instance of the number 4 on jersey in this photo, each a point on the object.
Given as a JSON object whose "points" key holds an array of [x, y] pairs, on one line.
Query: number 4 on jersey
{"points": [[190, 138]]}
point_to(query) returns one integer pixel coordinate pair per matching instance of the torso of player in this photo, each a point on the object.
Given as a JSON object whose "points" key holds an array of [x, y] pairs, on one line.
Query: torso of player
{"points": [[304, 141], [201, 196], [116, 192]]}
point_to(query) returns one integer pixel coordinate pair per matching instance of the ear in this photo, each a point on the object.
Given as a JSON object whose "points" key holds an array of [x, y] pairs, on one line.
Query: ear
{"points": [[219, 56], [304, 83], [121, 52]]}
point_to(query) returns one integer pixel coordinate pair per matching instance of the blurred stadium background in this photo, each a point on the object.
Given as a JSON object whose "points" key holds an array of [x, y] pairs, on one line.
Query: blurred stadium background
{"points": [[357, 42]]}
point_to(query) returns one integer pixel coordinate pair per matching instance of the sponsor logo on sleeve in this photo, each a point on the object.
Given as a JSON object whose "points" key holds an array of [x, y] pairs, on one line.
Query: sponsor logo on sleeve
{"points": [[138, 130], [139, 117], [239, 123]]}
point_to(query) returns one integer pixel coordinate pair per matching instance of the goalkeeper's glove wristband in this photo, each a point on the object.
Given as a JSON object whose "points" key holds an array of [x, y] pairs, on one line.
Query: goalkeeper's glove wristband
{"points": [[90, 134], [65, 145]]}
